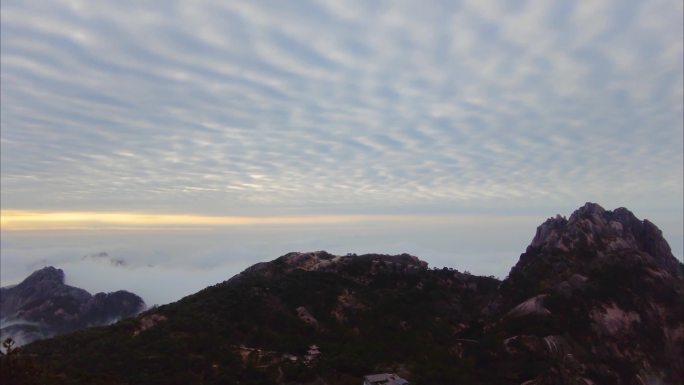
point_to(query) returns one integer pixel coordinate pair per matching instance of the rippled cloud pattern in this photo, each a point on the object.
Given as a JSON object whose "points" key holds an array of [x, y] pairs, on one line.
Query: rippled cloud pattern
{"points": [[241, 108]]}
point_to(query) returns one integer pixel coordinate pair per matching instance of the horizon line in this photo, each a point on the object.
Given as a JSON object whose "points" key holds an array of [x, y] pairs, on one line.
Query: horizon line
{"points": [[98, 220]]}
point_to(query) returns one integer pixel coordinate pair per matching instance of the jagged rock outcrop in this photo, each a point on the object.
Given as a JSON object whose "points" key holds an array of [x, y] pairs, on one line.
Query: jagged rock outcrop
{"points": [[592, 231], [43, 306], [608, 284]]}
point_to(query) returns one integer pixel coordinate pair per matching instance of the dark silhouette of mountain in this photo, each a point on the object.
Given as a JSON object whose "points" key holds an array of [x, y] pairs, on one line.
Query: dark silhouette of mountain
{"points": [[595, 299], [43, 306]]}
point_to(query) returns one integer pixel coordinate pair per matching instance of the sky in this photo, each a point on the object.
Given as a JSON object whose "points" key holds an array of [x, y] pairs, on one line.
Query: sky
{"points": [[206, 136]]}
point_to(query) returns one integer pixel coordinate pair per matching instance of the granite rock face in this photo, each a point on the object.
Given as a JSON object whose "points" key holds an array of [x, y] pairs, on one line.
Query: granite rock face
{"points": [[595, 231], [43, 306], [605, 287]]}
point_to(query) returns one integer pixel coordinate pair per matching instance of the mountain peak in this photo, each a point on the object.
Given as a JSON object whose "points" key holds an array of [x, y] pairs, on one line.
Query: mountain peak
{"points": [[309, 260], [322, 261], [46, 274], [588, 209], [42, 305], [591, 227], [592, 235]]}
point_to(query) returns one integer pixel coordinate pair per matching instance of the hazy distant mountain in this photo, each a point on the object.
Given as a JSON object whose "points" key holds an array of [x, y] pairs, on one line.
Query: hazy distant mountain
{"points": [[595, 299], [43, 306]]}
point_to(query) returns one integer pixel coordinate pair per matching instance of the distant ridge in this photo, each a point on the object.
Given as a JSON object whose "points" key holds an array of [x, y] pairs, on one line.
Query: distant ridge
{"points": [[43, 306]]}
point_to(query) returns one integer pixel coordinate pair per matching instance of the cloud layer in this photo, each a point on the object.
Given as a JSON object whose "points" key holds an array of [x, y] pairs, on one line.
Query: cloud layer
{"points": [[289, 108], [162, 265]]}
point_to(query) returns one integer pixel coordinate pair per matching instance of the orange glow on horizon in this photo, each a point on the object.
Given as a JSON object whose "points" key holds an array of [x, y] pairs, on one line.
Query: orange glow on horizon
{"points": [[37, 220], [94, 220]]}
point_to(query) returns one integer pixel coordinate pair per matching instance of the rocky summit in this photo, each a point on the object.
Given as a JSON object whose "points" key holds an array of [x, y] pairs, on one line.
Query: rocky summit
{"points": [[595, 299], [43, 306], [598, 298]]}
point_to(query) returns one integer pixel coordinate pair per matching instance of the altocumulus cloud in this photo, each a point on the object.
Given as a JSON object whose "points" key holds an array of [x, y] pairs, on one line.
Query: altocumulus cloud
{"points": [[241, 108]]}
